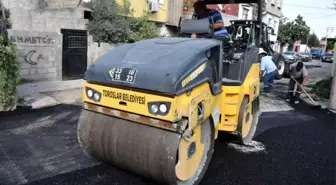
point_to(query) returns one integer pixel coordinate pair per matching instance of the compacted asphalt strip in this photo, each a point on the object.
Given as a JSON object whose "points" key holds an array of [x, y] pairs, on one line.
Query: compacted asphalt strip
{"points": [[291, 147]]}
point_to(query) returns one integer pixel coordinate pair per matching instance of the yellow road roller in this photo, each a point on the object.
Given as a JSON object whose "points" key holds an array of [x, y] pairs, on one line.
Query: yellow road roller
{"points": [[155, 107]]}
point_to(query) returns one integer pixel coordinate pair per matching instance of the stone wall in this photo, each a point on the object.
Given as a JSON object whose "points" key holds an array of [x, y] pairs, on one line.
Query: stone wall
{"points": [[57, 15], [40, 54], [96, 50]]}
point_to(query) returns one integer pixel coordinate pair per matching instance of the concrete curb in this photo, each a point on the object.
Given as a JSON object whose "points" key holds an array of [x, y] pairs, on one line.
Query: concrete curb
{"points": [[34, 95], [46, 99], [324, 105], [48, 86]]}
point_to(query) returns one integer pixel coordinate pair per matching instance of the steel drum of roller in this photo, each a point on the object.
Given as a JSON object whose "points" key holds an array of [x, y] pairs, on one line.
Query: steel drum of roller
{"points": [[158, 154]]}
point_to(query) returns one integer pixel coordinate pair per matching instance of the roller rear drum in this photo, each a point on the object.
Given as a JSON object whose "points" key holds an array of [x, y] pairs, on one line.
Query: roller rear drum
{"points": [[159, 154]]}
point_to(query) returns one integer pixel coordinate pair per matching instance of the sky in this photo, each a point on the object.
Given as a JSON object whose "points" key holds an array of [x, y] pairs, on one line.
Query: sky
{"points": [[315, 12]]}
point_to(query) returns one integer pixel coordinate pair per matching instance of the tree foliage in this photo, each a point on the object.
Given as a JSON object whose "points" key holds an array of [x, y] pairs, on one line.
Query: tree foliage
{"points": [[289, 32], [313, 40], [330, 45], [9, 72], [141, 28], [9, 64], [4, 21], [114, 23]]}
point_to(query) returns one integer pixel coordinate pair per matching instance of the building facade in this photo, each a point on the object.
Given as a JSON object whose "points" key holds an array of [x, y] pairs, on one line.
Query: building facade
{"points": [[246, 11], [273, 15], [156, 10], [54, 15], [229, 11], [47, 15], [52, 37]]}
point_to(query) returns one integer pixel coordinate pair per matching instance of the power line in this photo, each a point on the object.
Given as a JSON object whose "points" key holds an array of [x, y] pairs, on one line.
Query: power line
{"points": [[334, 14], [296, 5]]}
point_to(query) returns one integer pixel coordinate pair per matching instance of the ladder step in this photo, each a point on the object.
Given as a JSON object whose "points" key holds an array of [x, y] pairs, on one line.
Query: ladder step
{"points": [[229, 123], [231, 102]]}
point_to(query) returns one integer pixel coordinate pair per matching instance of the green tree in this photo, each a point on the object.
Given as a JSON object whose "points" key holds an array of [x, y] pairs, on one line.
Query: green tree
{"points": [[4, 21], [330, 45], [141, 28], [289, 32], [9, 73], [9, 64], [113, 23], [106, 25], [313, 40]]}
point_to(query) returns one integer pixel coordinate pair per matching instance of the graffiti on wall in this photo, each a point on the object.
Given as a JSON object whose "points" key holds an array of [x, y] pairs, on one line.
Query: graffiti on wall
{"points": [[32, 40], [31, 56]]}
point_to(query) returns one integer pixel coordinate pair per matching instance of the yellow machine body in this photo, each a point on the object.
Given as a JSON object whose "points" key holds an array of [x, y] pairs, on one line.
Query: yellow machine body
{"points": [[227, 103], [162, 123]]}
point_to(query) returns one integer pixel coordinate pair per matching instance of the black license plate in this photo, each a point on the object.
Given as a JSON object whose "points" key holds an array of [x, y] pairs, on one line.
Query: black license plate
{"points": [[123, 74]]}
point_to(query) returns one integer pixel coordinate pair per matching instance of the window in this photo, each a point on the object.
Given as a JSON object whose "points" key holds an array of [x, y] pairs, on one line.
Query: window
{"points": [[245, 13], [275, 25], [272, 2], [87, 14]]}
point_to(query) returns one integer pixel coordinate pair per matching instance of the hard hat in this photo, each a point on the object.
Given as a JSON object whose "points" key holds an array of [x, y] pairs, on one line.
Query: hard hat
{"points": [[262, 51]]}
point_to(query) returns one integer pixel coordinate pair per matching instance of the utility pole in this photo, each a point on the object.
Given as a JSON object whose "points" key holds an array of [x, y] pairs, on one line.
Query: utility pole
{"points": [[307, 42], [329, 29], [332, 104], [332, 99]]}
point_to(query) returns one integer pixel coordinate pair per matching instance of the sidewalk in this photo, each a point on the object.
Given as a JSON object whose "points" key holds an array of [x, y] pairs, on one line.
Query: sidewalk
{"points": [[48, 93], [323, 102]]}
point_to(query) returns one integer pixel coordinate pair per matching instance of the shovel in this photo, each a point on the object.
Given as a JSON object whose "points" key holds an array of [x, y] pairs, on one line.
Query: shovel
{"points": [[298, 84]]}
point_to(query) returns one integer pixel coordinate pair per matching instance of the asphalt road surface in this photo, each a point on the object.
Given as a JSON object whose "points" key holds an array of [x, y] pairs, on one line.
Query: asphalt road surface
{"points": [[292, 147]]}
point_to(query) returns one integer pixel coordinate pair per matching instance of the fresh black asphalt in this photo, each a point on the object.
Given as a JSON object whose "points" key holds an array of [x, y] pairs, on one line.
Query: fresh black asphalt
{"points": [[40, 148]]}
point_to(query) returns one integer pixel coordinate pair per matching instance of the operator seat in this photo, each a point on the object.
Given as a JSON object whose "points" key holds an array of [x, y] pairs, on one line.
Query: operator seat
{"points": [[227, 46], [202, 28], [226, 43]]}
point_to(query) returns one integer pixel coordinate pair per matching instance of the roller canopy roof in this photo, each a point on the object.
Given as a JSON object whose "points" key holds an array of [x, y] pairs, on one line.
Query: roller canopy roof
{"points": [[230, 1], [160, 64]]}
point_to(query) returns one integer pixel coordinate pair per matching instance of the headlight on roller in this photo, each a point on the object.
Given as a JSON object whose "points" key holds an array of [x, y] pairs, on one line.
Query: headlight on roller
{"points": [[93, 94], [89, 93], [154, 108], [96, 97], [163, 108], [159, 108]]}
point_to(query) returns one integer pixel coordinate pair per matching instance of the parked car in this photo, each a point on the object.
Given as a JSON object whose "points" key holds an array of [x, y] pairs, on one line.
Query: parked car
{"points": [[316, 53], [291, 56], [305, 56], [328, 57]]}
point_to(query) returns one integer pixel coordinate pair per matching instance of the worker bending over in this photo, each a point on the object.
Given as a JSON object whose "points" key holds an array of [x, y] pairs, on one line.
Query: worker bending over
{"points": [[298, 72], [202, 12], [268, 68]]}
